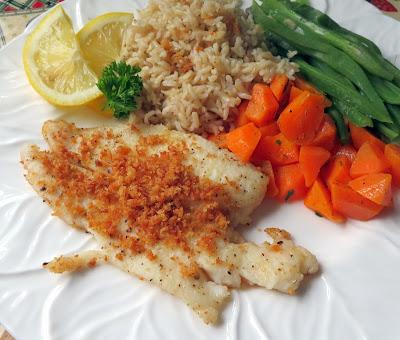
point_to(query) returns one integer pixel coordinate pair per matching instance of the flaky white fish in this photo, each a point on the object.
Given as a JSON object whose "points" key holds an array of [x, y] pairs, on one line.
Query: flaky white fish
{"points": [[157, 226]]}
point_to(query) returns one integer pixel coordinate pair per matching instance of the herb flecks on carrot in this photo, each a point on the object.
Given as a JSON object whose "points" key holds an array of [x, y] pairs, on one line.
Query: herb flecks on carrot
{"points": [[319, 200], [290, 182], [277, 149], [337, 171]]}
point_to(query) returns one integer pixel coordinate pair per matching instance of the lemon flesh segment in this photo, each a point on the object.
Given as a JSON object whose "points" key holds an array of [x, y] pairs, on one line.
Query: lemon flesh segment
{"points": [[101, 39], [54, 63]]}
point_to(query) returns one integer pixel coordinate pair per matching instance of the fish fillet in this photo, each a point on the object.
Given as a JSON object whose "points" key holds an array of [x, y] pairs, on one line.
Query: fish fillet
{"points": [[163, 206]]}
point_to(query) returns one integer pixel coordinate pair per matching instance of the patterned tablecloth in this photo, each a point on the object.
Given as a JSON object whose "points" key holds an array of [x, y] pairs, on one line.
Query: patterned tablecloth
{"points": [[15, 15]]}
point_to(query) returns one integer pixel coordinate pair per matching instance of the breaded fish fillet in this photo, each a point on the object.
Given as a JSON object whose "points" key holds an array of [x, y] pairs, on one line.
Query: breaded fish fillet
{"points": [[163, 206]]}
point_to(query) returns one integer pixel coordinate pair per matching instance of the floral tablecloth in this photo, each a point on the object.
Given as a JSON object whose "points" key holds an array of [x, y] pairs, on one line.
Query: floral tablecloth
{"points": [[15, 15]]}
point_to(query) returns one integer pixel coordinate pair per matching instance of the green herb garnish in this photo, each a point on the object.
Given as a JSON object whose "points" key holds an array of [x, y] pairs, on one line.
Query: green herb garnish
{"points": [[121, 85], [278, 141], [289, 194]]}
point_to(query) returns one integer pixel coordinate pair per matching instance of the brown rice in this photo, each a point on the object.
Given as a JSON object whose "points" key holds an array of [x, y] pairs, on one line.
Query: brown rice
{"points": [[198, 60]]}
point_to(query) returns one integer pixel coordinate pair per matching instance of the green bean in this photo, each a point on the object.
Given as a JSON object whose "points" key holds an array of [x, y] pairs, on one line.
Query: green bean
{"points": [[341, 128], [335, 58], [394, 111], [361, 114], [331, 72], [352, 113], [320, 18], [335, 89], [356, 51], [389, 92], [390, 133], [323, 19]]}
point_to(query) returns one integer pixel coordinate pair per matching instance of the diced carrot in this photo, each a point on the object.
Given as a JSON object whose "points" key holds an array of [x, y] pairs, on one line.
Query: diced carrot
{"points": [[347, 151], [326, 135], [318, 199], [337, 171], [242, 118], [306, 86], [266, 168], [290, 182], [392, 154], [277, 149], [351, 204], [311, 160], [243, 140], [301, 119], [360, 135], [294, 92], [370, 159], [263, 105], [219, 139], [272, 129], [376, 187], [278, 85]]}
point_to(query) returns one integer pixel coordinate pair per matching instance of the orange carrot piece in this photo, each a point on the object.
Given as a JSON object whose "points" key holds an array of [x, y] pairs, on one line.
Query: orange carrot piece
{"points": [[306, 86], [301, 119], [337, 171], [219, 139], [347, 151], [376, 187], [242, 118], [392, 154], [318, 199], [351, 204], [326, 135], [294, 92], [370, 159], [278, 85], [266, 168], [360, 135], [311, 160], [243, 140], [277, 149], [272, 129], [263, 105], [290, 182]]}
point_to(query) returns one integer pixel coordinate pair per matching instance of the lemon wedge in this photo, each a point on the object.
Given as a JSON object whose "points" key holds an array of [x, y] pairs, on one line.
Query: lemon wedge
{"points": [[54, 63], [101, 39]]}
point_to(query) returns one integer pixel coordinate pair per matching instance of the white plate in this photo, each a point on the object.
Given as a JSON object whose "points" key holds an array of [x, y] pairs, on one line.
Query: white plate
{"points": [[356, 295]]}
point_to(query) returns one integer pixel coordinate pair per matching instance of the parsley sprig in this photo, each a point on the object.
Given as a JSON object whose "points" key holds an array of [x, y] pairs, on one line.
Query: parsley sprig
{"points": [[121, 85]]}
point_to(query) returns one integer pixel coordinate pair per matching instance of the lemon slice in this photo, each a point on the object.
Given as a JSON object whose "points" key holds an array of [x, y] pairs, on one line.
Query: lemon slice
{"points": [[101, 39], [54, 64]]}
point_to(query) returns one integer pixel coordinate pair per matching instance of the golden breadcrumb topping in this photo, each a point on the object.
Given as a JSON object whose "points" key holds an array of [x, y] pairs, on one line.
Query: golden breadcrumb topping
{"points": [[139, 199]]}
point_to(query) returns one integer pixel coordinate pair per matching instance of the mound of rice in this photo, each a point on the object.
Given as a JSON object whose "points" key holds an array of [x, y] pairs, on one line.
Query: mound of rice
{"points": [[198, 60]]}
